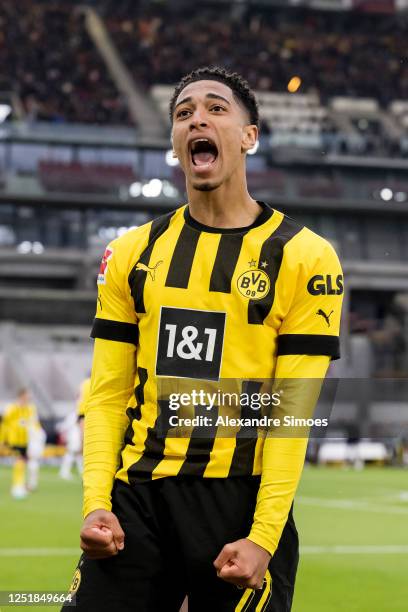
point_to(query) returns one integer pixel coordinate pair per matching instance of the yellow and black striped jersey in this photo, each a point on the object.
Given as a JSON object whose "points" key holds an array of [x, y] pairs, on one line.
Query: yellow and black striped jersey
{"points": [[203, 303], [17, 420]]}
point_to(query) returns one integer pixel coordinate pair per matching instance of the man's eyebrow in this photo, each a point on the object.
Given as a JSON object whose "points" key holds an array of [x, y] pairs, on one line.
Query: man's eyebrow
{"points": [[212, 96], [183, 101]]}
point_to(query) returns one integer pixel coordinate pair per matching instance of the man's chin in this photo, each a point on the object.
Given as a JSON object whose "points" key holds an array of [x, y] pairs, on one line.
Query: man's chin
{"points": [[205, 185]]}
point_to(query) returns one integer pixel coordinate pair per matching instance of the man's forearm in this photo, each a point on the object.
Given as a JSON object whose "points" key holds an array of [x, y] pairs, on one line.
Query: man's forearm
{"points": [[106, 421], [104, 431], [282, 467], [283, 457]]}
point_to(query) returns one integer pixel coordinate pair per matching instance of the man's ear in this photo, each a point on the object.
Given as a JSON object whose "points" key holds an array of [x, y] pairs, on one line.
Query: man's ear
{"points": [[249, 138], [174, 154]]}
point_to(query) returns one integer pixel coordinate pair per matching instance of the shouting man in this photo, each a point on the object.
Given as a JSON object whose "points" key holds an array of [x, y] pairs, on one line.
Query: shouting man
{"points": [[225, 287]]}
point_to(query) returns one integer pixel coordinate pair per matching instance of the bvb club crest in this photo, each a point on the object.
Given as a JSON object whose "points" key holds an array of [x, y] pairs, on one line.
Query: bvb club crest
{"points": [[254, 284]]}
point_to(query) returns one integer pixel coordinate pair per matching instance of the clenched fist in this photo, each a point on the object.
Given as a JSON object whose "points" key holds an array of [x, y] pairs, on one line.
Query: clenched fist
{"points": [[101, 535], [243, 563]]}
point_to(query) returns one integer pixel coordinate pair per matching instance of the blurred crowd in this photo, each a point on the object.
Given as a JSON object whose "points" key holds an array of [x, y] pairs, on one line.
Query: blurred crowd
{"points": [[335, 53], [48, 59]]}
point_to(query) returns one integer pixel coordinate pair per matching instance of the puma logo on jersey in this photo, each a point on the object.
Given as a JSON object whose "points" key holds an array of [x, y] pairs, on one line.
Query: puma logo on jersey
{"points": [[325, 316], [151, 271]]}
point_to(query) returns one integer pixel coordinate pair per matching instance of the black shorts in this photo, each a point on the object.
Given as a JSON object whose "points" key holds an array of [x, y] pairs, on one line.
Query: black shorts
{"points": [[174, 528], [20, 450]]}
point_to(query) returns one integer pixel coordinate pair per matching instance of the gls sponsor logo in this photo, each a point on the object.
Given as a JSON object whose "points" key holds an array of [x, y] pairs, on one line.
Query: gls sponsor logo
{"points": [[325, 285]]}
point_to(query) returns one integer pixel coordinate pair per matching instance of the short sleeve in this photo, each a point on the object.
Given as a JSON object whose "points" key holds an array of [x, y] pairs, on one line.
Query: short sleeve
{"points": [[115, 314], [312, 324]]}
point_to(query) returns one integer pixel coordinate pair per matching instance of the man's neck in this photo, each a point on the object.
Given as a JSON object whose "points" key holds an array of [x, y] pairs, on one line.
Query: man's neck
{"points": [[223, 207]]}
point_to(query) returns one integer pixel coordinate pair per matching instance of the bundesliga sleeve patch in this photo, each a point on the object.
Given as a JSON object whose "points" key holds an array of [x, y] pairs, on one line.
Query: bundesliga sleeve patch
{"points": [[104, 266]]}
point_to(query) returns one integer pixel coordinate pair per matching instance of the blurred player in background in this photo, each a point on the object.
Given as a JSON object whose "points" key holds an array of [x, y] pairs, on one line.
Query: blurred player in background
{"points": [[35, 450], [72, 428], [224, 287], [22, 433]]}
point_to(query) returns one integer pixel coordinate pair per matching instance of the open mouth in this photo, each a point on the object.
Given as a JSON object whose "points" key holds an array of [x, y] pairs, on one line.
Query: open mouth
{"points": [[203, 152]]}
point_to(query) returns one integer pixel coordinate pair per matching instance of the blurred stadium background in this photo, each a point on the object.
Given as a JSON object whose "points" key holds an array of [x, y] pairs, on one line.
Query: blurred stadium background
{"points": [[85, 155]]}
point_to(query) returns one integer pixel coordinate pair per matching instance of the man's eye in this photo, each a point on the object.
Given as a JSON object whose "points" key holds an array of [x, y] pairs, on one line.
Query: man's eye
{"points": [[217, 107], [183, 113]]}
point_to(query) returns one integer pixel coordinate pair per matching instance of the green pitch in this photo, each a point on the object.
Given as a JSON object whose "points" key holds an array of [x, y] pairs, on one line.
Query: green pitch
{"points": [[353, 528]]}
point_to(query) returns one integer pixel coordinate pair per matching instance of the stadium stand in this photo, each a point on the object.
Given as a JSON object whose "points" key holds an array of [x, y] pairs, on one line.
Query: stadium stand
{"points": [[84, 178], [49, 61], [332, 52], [331, 153], [85, 155], [271, 46]]}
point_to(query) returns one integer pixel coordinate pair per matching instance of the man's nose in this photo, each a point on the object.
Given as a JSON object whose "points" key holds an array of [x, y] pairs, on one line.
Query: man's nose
{"points": [[197, 119]]}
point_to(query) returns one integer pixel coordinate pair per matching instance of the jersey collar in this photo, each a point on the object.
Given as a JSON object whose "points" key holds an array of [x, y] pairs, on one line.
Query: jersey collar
{"points": [[264, 215]]}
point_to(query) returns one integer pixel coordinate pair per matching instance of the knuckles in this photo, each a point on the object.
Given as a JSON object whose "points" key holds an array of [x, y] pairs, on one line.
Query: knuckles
{"points": [[247, 575], [254, 585]]}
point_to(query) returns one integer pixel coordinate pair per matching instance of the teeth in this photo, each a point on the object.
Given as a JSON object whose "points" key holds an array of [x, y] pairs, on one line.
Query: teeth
{"points": [[199, 140]]}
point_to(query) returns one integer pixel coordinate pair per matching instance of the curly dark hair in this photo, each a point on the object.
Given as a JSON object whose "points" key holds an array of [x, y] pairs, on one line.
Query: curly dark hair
{"points": [[239, 86]]}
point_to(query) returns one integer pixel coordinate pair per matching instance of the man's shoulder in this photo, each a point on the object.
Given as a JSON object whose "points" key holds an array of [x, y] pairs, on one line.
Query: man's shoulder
{"points": [[311, 239], [306, 244], [139, 237], [134, 237], [124, 252]]}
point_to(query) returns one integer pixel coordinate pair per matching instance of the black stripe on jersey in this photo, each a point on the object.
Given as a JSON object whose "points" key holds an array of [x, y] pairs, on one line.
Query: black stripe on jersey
{"points": [[183, 257], [254, 599], [137, 278], [309, 344], [136, 413], [226, 259], [115, 330], [153, 451], [268, 599], [272, 254], [244, 453], [200, 446]]}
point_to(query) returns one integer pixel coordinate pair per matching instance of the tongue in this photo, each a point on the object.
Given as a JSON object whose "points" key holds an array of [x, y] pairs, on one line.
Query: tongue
{"points": [[205, 157]]}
